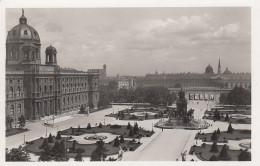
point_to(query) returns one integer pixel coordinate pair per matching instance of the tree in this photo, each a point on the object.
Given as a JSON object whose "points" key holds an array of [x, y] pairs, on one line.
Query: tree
{"points": [[89, 126], [58, 136], [214, 136], [213, 158], [244, 155], [45, 154], [239, 96], [99, 153], [100, 125], [214, 147], [116, 142], [74, 145], [227, 118], [224, 154], [146, 115], [17, 154], [50, 138], [136, 129], [217, 115], [131, 133], [122, 139], [55, 148], [129, 126], [21, 121], [218, 131], [44, 144], [8, 122], [223, 98], [78, 157], [230, 129]]}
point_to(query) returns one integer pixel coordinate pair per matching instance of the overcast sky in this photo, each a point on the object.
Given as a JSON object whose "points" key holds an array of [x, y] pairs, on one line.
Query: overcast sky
{"points": [[136, 41]]}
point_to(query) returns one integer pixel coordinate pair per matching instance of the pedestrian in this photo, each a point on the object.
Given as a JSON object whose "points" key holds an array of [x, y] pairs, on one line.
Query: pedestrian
{"points": [[162, 129]]}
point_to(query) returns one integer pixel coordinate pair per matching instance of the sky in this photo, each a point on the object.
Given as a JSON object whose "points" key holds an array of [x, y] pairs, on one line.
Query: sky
{"points": [[137, 41]]}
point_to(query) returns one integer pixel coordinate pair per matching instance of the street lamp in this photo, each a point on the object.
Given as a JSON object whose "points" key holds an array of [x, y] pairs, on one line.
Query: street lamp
{"points": [[104, 120], [46, 133], [24, 139]]}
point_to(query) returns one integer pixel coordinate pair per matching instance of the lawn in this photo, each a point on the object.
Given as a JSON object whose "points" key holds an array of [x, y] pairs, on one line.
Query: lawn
{"points": [[114, 129], [33, 147], [231, 120], [236, 135], [128, 114], [15, 131], [203, 153]]}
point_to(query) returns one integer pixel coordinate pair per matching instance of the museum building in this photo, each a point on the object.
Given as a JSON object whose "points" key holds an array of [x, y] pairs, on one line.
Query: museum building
{"points": [[37, 90]]}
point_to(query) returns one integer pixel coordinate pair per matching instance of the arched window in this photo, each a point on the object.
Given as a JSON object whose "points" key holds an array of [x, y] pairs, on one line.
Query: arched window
{"points": [[25, 32], [50, 89], [19, 108], [79, 98], [18, 92], [72, 100], [45, 90], [12, 110], [68, 100], [76, 99], [11, 92]]}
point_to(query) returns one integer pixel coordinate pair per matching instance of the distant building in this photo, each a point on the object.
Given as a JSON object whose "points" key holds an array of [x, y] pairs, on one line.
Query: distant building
{"points": [[193, 83], [36, 90], [126, 82]]}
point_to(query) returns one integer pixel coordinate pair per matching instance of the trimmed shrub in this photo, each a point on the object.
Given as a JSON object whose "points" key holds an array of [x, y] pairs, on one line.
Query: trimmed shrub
{"points": [[224, 153], [230, 129], [100, 125], [89, 126], [214, 147]]}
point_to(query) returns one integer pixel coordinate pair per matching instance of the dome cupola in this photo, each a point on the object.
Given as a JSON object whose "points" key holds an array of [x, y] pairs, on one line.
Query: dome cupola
{"points": [[209, 70], [23, 44], [51, 55]]}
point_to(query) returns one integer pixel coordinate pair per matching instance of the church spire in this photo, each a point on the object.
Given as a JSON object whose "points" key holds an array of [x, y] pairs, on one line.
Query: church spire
{"points": [[219, 66]]}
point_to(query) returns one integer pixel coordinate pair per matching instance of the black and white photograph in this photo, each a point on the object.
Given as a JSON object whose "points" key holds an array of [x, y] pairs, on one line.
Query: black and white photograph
{"points": [[99, 84]]}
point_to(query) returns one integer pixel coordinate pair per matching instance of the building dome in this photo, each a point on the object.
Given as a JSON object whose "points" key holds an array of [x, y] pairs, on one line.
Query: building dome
{"points": [[22, 32], [227, 71], [50, 50], [209, 70]]}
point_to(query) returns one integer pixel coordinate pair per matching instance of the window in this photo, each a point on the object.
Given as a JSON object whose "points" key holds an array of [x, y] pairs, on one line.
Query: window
{"points": [[45, 89], [50, 89], [18, 92], [12, 110], [19, 108], [11, 92], [25, 32], [35, 33]]}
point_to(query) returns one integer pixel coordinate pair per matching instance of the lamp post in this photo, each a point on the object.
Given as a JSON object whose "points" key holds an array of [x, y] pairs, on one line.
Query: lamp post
{"points": [[104, 120], [46, 133], [24, 139]]}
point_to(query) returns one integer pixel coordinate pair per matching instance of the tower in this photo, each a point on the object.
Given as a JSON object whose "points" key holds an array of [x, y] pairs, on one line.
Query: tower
{"points": [[105, 70], [51, 54], [219, 67]]}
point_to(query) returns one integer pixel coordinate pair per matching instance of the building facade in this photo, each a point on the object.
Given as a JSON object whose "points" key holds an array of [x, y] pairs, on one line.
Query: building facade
{"points": [[36, 90], [205, 84], [125, 82]]}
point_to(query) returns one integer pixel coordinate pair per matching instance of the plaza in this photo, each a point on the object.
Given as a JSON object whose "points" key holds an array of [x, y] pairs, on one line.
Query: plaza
{"points": [[169, 143]]}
